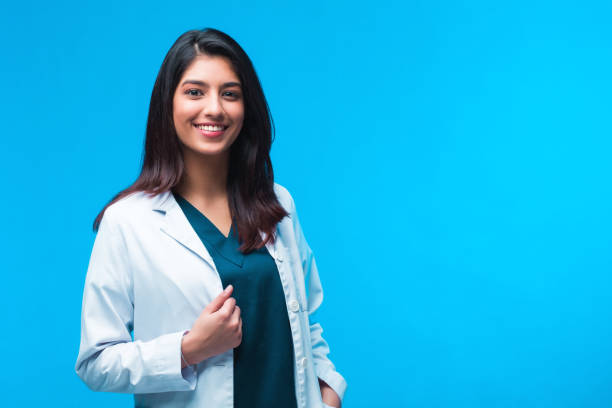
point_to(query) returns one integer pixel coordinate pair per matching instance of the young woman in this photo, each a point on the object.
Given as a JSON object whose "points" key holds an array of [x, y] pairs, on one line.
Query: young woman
{"points": [[201, 286]]}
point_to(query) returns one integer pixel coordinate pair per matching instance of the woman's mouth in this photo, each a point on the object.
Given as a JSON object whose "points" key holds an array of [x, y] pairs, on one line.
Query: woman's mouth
{"points": [[211, 130]]}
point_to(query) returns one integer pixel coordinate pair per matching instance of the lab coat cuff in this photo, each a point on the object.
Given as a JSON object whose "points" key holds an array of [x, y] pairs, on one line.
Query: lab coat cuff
{"points": [[328, 374], [166, 360]]}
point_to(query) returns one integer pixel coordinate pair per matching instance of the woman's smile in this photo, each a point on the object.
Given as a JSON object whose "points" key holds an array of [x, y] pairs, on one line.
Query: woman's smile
{"points": [[210, 130]]}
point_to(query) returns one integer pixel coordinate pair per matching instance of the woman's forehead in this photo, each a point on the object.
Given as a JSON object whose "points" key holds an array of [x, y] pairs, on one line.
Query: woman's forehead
{"points": [[212, 70]]}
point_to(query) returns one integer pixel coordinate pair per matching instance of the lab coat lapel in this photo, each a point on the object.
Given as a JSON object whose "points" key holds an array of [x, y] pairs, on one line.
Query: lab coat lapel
{"points": [[175, 224]]}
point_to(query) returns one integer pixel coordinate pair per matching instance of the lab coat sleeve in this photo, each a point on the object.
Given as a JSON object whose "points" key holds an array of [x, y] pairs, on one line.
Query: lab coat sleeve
{"points": [[324, 368], [108, 359]]}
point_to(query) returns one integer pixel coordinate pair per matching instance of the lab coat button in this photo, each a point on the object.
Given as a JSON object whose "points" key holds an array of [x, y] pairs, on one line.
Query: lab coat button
{"points": [[303, 361], [294, 306]]}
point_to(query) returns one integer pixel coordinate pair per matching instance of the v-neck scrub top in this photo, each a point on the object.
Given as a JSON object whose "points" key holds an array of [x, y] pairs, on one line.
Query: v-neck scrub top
{"points": [[264, 361]]}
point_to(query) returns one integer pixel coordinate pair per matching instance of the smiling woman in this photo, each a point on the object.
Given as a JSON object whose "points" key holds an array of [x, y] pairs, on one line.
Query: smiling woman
{"points": [[201, 285], [208, 103]]}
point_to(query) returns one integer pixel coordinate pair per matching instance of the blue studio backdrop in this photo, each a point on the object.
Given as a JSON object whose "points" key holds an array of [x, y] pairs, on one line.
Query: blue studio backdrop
{"points": [[450, 162]]}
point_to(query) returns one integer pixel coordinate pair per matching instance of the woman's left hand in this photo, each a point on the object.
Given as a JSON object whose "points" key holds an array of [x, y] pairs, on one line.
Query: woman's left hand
{"points": [[328, 395]]}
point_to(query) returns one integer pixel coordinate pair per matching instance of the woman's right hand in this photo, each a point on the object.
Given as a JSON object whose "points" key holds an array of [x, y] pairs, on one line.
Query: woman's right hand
{"points": [[216, 330]]}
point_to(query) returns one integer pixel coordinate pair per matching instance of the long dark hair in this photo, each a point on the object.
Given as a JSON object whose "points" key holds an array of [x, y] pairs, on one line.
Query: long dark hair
{"points": [[250, 182]]}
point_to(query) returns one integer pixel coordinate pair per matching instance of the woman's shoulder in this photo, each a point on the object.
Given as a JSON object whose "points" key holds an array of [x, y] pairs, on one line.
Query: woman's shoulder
{"points": [[140, 206], [135, 206]]}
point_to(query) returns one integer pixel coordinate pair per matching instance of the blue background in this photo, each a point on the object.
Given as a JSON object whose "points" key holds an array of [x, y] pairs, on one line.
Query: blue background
{"points": [[450, 162]]}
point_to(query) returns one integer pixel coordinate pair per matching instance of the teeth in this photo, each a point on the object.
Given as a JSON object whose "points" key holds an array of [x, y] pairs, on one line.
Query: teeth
{"points": [[210, 128]]}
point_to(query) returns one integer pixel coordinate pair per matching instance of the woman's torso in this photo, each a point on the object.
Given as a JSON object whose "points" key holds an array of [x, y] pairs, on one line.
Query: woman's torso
{"points": [[173, 277]]}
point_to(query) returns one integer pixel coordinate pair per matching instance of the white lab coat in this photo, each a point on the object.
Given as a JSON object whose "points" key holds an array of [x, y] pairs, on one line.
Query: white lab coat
{"points": [[150, 273]]}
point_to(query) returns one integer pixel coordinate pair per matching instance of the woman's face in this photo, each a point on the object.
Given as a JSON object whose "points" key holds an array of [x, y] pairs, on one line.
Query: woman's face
{"points": [[208, 106]]}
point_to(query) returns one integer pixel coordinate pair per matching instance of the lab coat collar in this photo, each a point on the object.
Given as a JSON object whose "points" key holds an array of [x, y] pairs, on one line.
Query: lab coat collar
{"points": [[175, 224]]}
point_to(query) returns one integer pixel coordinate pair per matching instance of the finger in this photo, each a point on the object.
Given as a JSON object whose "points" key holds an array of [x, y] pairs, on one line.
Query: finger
{"points": [[240, 331], [217, 302], [236, 316], [228, 308]]}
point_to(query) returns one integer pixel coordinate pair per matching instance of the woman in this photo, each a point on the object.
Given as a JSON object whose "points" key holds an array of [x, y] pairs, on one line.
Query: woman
{"points": [[203, 257]]}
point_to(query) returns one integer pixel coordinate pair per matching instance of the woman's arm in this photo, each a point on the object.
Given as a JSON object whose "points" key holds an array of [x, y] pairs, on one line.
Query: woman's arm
{"points": [[324, 368], [108, 359]]}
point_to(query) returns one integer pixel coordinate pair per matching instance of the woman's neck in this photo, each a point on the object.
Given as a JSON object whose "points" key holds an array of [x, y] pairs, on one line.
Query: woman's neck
{"points": [[204, 179]]}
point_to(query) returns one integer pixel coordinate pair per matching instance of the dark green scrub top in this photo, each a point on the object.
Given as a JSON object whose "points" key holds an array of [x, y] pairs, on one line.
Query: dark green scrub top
{"points": [[263, 362]]}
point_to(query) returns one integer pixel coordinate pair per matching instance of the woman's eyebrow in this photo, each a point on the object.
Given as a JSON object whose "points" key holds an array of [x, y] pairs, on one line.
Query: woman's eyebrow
{"points": [[202, 83]]}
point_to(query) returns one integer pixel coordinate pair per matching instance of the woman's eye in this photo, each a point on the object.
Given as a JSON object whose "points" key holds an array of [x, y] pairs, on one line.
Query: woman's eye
{"points": [[233, 95], [193, 92]]}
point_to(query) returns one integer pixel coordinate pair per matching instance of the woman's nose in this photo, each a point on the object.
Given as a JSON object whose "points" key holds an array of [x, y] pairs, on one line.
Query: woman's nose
{"points": [[213, 106]]}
